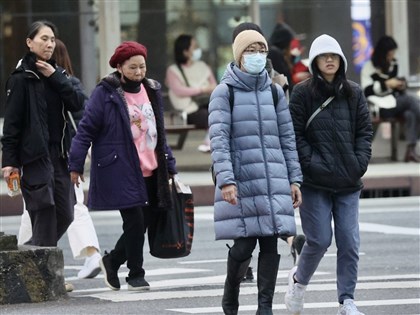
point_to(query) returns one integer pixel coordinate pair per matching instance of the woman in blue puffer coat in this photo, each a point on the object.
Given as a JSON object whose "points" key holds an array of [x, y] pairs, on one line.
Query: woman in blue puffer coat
{"points": [[256, 167]]}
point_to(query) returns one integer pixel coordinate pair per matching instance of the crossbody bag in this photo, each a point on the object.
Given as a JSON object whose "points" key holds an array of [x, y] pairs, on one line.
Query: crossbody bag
{"points": [[202, 100], [319, 109]]}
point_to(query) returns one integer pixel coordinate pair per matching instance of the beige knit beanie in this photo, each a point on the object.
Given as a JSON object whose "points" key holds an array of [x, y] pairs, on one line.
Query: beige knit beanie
{"points": [[243, 40]]}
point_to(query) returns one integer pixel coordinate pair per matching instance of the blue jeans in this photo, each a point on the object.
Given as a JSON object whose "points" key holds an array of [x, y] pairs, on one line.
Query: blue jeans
{"points": [[408, 106], [318, 209]]}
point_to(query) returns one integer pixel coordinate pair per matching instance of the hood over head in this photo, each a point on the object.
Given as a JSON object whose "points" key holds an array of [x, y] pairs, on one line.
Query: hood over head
{"points": [[325, 44]]}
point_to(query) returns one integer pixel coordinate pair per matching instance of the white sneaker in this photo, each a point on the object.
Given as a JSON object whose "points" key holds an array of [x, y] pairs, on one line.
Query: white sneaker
{"points": [[91, 267], [348, 308], [205, 148], [294, 294], [69, 287]]}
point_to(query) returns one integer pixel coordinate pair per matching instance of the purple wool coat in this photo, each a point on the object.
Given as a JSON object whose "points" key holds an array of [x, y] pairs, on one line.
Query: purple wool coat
{"points": [[116, 180]]}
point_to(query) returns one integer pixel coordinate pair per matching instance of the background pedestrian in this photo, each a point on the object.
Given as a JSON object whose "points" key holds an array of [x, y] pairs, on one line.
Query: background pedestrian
{"points": [[190, 82], [385, 89]]}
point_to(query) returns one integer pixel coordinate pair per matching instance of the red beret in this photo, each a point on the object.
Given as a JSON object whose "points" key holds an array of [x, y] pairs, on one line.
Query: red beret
{"points": [[125, 51]]}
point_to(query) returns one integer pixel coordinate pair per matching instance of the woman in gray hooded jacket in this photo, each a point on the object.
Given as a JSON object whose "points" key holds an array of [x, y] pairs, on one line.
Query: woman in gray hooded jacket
{"points": [[256, 166], [334, 146]]}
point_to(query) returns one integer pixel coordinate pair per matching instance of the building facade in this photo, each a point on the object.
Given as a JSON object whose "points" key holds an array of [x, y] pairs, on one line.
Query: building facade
{"points": [[91, 29]]}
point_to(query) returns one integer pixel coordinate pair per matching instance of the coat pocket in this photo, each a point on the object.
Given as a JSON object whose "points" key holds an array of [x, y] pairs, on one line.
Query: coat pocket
{"points": [[108, 159], [38, 197]]}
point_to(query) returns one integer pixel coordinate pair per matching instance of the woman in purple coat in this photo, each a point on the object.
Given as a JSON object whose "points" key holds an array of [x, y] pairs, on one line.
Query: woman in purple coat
{"points": [[131, 161]]}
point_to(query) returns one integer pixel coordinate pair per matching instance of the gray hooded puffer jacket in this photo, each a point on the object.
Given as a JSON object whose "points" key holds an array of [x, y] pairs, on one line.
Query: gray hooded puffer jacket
{"points": [[254, 148]]}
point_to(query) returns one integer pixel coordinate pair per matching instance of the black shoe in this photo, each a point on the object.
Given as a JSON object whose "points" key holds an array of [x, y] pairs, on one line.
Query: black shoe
{"points": [[137, 284], [111, 274], [296, 248], [248, 276]]}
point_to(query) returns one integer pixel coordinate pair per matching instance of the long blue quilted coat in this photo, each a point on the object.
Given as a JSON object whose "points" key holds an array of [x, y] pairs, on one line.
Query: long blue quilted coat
{"points": [[254, 148]]}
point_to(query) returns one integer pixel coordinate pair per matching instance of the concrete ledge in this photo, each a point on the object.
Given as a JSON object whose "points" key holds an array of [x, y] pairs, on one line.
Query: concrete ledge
{"points": [[8, 242], [31, 274], [379, 176], [407, 182]]}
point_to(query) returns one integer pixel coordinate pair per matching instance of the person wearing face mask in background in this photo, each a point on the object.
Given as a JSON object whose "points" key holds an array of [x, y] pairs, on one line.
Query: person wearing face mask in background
{"points": [[190, 82], [131, 161], [257, 169]]}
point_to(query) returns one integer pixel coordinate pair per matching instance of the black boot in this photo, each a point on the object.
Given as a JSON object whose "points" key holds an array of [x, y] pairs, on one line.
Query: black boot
{"points": [[249, 276], [268, 266], [411, 155], [235, 273]]}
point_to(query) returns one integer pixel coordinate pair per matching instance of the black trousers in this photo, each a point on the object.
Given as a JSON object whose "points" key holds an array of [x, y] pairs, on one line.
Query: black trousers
{"points": [[199, 118], [136, 221], [49, 198], [243, 247]]}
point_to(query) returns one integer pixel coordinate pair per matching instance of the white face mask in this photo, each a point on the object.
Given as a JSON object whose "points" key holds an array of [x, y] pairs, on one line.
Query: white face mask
{"points": [[196, 54], [254, 63]]}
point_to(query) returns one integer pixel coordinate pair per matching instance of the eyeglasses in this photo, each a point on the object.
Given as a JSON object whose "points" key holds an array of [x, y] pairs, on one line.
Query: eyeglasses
{"points": [[325, 57], [251, 51]]}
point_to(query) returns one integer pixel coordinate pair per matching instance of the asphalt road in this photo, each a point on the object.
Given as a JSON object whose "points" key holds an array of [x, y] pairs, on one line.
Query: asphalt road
{"points": [[389, 272]]}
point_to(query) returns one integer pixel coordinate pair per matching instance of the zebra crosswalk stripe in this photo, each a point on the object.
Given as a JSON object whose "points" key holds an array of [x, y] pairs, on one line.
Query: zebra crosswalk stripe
{"points": [[308, 306]]}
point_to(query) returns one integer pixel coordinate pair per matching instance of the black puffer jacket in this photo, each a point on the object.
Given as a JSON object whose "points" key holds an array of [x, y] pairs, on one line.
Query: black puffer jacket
{"points": [[335, 149], [26, 131]]}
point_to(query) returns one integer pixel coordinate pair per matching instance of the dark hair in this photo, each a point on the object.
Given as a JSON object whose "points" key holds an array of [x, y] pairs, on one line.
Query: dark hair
{"points": [[37, 25], [282, 36], [320, 87], [384, 45], [61, 56], [182, 43], [245, 26]]}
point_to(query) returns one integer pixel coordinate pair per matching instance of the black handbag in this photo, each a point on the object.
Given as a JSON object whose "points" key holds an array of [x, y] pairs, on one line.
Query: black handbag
{"points": [[201, 100], [173, 233]]}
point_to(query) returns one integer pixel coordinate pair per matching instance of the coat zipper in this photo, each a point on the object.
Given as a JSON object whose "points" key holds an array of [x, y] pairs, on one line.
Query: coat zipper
{"points": [[63, 135], [264, 153]]}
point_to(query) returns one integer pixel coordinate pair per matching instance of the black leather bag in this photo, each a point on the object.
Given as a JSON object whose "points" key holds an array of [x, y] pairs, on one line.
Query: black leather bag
{"points": [[201, 100]]}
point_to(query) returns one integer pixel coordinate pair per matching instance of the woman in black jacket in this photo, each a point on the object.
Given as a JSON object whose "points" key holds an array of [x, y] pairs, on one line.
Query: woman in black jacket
{"points": [[36, 135], [334, 146]]}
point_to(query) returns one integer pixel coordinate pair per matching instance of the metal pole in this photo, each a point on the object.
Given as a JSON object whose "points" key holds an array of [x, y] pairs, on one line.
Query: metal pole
{"points": [[88, 59], [255, 12], [397, 26], [109, 33]]}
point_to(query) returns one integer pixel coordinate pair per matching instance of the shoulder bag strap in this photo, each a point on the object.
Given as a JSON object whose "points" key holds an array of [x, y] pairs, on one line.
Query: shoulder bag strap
{"points": [[320, 108], [183, 74]]}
